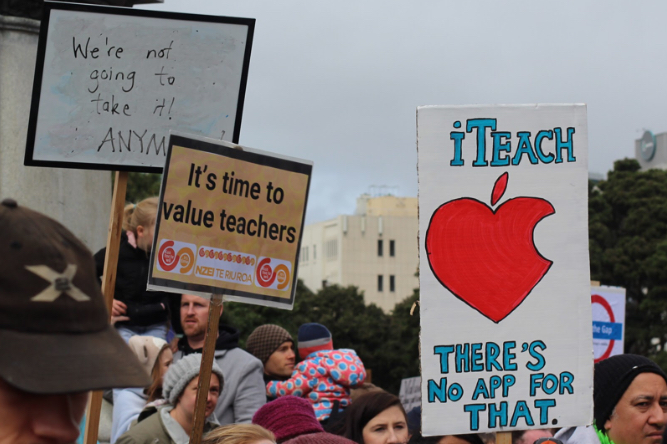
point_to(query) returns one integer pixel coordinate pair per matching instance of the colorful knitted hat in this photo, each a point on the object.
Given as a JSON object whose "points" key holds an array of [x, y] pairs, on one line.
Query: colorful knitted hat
{"points": [[266, 339], [611, 379], [180, 374], [288, 417], [314, 337]]}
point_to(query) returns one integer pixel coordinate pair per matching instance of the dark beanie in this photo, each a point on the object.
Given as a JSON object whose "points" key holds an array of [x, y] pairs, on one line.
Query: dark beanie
{"points": [[288, 417], [612, 378], [266, 339]]}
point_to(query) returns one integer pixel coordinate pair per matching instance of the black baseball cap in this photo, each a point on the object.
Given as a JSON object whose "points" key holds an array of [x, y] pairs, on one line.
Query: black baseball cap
{"points": [[55, 335]]}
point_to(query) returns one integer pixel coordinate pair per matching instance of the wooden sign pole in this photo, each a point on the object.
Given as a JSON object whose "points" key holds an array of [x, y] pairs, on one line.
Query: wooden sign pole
{"points": [[206, 368], [503, 437], [108, 287]]}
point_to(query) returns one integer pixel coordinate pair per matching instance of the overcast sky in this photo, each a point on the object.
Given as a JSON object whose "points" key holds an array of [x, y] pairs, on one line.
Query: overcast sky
{"points": [[338, 82]]}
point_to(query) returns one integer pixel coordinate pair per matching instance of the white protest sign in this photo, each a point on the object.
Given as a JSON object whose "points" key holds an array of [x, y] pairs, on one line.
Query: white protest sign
{"points": [[111, 82], [410, 393], [504, 277], [608, 321]]}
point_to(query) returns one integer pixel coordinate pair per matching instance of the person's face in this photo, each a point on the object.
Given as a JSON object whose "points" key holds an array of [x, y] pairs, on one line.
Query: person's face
{"points": [[194, 315], [39, 419], [187, 400], [166, 358], [145, 237], [641, 413], [281, 362], [389, 427]]}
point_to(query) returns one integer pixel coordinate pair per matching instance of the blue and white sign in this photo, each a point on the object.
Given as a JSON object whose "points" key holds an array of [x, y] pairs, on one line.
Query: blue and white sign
{"points": [[608, 321]]}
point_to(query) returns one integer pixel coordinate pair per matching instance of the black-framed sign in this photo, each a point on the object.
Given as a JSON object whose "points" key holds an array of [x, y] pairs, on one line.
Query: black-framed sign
{"points": [[230, 221], [110, 83]]}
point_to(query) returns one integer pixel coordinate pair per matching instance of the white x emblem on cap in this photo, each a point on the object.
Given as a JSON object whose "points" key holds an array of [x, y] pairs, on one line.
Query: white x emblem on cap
{"points": [[60, 283]]}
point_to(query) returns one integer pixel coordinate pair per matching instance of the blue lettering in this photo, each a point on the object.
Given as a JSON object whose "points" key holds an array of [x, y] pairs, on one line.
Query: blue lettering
{"points": [[495, 414], [521, 411], [474, 410], [539, 365], [480, 125], [543, 405], [443, 351], [480, 389], [457, 137], [538, 145], [492, 353], [524, 148], [499, 146], [477, 357], [508, 356], [567, 144], [461, 359]]}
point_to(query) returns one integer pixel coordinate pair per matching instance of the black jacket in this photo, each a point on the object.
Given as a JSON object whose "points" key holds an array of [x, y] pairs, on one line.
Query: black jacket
{"points": [[144, 307], [228, 338]]}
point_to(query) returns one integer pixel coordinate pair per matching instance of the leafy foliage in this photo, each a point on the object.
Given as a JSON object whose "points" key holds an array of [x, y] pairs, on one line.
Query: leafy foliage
{"points": [[388, 344], [142, 185], [628, 247]]}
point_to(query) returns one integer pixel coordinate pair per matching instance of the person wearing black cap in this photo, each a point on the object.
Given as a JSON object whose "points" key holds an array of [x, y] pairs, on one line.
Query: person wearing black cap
{"points": [[629, 404], [56, 342]]}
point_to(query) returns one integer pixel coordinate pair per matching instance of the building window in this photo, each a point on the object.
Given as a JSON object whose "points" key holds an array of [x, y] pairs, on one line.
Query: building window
{"points": [[331, 249], [392, 283], [380, 286], [380, 248], [314, 252], [392, 248], [304, 254]]}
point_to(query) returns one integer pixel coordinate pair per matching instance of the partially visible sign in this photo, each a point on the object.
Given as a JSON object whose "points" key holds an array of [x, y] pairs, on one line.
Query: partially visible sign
{"points": [[410, 394], [229, 222], [110, 83], [608, 321]]}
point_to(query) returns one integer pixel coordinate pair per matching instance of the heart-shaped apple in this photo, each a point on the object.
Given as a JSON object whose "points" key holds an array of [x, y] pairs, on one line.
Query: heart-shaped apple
{"points": [[488, 258]]}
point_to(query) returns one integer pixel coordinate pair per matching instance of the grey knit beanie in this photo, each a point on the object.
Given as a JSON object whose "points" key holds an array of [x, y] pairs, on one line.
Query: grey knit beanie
{"points": [[180, 374]]}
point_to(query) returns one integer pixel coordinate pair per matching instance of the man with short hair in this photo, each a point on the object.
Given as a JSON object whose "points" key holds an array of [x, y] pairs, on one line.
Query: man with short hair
{"points": [[56, 342], [274, 346], [630, 404], [244, 390]]}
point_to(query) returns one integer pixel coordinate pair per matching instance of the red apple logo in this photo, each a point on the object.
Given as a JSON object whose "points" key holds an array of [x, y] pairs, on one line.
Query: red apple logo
{"points": [[488, 258]]}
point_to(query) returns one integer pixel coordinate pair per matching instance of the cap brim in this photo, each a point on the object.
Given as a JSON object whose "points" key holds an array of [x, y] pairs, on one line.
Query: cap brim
{"points": [[50, 363]]}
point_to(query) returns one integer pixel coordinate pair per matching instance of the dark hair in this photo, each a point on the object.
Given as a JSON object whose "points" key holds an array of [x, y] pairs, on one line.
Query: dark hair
{"points": [[417, 438], [367, 407]]}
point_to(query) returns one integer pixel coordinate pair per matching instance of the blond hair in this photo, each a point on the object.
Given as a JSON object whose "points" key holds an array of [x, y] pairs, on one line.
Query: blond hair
{"points": [[238, 434], [144, 213]]}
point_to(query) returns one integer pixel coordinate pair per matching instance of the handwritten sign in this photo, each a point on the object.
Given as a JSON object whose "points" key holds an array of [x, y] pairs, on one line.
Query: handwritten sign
{"points": [[111, 82], [504, 277], [410, 393], [608, 321], [229, 222]]}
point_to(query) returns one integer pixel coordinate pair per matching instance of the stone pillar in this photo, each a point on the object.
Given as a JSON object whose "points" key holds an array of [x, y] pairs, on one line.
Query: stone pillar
{"points": [[79, 199]]}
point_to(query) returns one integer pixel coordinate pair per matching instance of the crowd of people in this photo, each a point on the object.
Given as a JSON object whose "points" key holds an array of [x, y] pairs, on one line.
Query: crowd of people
{"points": [[57, 345]]}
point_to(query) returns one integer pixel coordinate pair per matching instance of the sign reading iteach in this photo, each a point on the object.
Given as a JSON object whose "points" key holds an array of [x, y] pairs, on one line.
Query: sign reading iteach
{"points": [[229, 222], [608, 320], [505, 308], [110, 83]]}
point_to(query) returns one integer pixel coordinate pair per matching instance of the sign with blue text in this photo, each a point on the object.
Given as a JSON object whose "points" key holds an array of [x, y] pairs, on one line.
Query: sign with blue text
{"points": [[608, 321], [504, 271]]}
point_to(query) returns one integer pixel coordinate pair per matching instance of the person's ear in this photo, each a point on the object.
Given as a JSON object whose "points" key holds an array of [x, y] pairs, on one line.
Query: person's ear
{"points": [[140, 231], [607, 424]]}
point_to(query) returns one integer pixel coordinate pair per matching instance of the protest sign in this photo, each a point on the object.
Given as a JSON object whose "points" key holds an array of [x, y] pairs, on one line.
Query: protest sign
{"points": [[111, 82], [410, 393], [229, 222], [504, 277], [608, 305]]}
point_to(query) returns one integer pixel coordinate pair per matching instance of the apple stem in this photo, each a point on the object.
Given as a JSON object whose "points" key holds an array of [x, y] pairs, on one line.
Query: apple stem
{"points": [[499, 188]]}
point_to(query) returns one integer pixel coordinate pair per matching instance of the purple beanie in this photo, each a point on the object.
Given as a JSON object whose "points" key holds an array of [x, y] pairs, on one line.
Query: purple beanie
{"points": [[319, 438], [288, 417]]}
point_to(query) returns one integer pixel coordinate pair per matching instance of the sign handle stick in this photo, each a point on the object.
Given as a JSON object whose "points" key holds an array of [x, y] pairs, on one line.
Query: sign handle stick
{"points": [[206, 368], [503, 437], [108, 287]]}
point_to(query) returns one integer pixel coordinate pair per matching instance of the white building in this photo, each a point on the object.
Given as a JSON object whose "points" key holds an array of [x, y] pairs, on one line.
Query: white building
{"points": [[376, 250]]}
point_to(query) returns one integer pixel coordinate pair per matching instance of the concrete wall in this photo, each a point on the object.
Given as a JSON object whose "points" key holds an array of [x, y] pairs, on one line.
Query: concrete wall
{"points": [[79, 199]]}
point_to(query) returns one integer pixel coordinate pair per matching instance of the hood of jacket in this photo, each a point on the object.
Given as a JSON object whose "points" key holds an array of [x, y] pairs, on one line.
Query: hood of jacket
{"points": [[228, 338]]}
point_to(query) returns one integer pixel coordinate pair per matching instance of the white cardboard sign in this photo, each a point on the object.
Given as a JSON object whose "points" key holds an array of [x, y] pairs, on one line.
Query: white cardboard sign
{"points": [[111, 82], [504, 270], [608, 321]]}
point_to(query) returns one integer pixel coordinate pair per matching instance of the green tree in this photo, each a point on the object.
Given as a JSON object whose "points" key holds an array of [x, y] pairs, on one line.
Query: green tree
{"points": [[387, 344], [141, 186], [628, 247]]}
